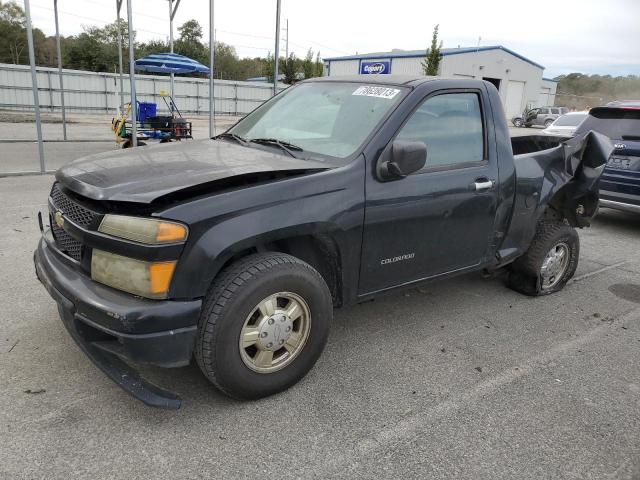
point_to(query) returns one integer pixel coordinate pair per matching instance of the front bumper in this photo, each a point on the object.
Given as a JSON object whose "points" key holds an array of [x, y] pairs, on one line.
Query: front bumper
{"points": [[113, 327]]}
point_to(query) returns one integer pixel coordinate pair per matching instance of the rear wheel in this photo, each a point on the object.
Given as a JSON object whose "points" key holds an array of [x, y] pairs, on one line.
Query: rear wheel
{"points": [[264, 324], [549, 263], [547, 123], [518, 122]]}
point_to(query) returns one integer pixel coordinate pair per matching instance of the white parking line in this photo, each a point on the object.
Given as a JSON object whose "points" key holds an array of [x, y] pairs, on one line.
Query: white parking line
{"points": [[595, 272]]}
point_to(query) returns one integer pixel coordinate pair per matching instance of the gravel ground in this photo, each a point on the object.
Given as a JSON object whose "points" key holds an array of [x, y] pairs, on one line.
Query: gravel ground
{"points": [[456, 379]]}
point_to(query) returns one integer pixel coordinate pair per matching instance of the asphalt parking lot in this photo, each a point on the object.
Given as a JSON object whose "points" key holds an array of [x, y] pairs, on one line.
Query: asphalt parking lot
{"points": [[457, 379]]}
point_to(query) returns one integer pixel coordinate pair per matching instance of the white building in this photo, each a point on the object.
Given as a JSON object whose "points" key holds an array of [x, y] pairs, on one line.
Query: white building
{"points": [[518, 79]]}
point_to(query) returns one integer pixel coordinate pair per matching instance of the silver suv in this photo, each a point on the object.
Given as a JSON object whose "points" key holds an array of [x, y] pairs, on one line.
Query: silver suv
{"points": [[542, 116]]}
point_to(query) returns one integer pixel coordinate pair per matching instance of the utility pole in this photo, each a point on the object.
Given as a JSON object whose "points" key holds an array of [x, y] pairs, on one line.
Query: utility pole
{"points": [[118, 7], [34, 84], [276, 57], [212, 48], [58, 49], [132, 79], [172, 14], [287, 39]]}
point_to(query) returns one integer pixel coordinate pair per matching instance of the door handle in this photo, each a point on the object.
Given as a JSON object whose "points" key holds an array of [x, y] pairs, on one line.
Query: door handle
{"points": [[481, 186]]}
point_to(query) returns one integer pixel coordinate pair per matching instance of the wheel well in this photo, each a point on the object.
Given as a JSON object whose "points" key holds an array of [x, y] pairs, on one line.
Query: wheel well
{"points": [[575, 208], [319, 251]]}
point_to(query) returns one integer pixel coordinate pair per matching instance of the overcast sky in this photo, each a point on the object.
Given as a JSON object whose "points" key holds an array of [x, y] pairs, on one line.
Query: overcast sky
{"points": [[589, 36]]}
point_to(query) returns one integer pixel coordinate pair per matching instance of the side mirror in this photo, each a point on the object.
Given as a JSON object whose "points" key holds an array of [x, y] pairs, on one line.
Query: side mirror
{"points": [[401, 159]]}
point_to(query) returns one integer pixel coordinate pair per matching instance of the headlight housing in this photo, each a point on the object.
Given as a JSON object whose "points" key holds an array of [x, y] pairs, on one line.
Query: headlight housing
{"points": [[151, 231], [147, 279], [139, 277]]}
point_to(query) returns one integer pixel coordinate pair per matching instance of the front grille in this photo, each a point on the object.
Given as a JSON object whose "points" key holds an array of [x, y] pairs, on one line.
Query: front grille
{"points": [[75, 212], [66, 243]]}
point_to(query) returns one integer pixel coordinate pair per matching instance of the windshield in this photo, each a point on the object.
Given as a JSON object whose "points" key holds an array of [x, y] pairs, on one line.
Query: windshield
{"points": [[322, 117], [570, 120], [617, 124]]}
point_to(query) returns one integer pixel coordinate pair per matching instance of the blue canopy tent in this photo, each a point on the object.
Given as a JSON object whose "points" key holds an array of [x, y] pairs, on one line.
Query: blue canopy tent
{"points": [[169, 63], [145, 123]]}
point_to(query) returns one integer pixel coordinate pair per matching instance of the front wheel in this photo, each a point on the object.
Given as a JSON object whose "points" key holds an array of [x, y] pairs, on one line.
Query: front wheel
{"points": [[548, 123], [517, 122], [264, 324], [549, 263]]}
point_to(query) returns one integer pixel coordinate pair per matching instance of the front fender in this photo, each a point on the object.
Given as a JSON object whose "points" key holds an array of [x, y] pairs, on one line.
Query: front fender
{"points": [[328, 204]]}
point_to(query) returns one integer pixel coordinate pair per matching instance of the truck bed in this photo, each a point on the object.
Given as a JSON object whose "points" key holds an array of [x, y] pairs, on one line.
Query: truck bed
{"points": [[534, 143]]}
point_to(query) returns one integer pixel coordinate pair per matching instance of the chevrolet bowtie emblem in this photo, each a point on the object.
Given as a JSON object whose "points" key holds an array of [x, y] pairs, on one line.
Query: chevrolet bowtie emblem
{"points": [[59, 219]]}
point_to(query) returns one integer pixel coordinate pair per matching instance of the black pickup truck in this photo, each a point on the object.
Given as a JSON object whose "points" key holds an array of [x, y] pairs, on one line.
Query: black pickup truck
{"points": [[235, 250]]}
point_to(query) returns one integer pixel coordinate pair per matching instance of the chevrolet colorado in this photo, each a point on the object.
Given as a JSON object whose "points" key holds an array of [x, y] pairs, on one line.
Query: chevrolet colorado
{"points": [[235, 250]]}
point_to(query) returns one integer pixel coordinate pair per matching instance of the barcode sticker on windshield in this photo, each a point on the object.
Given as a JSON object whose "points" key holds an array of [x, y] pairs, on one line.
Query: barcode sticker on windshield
{"points": [[380, 92]]}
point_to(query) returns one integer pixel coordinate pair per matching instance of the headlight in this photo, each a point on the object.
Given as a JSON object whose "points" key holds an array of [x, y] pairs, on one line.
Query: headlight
{"points": [[144, 230], [147, 279]]}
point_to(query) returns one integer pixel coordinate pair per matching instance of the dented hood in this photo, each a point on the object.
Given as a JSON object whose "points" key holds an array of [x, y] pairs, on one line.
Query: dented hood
{"points": [[145, 174]]}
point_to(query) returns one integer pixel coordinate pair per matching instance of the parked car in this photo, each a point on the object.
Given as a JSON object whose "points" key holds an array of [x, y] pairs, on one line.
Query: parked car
{"points": [[566, 125], [620, 182], [235, 250], [624, 103], [541, 116]]}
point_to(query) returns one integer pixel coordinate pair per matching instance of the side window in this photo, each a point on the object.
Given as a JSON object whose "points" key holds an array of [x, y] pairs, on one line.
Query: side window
{"points": [[544, 111], [451, 126], [555, 111]]}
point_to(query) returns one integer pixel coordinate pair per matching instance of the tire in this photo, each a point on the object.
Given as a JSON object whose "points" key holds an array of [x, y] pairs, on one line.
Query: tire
{"points": [[544, 269], [547, 123], [517, 122], [129, 144], [231, 305]]}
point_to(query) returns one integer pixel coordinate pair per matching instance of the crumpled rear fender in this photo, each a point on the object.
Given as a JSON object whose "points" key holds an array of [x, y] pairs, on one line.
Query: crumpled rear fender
{"points": [[560, 182]]}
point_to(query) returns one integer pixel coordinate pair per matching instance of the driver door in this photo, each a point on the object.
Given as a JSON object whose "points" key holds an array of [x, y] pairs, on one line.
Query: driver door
{"points": [[439, 219]]}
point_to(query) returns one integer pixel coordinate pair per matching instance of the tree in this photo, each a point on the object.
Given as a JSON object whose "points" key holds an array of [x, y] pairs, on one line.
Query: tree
{"points": [[190, 43], [290, 69], [431, 62], [190, 31], [268, 68], [308, 67], [96, 49], [13, 35], [151, 47], [319, 66], [226, 61]]}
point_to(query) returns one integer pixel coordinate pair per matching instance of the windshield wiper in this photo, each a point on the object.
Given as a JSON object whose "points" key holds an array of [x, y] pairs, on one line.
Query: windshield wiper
{"points": [[233, 136], [285, 146]]}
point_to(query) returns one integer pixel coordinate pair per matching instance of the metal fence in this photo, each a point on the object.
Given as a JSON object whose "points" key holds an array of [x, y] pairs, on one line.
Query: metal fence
{"points": [[98, 92]]}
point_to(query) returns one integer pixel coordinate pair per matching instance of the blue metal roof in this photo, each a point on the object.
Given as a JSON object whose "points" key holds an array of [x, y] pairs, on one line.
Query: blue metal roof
{"points": [[422, 53], [550, 80]]}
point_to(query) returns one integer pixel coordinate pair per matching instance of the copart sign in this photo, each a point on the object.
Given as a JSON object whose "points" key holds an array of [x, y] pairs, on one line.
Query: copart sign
{"points": [[382, 67]]}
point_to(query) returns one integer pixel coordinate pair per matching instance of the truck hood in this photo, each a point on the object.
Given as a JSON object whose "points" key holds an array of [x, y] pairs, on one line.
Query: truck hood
{"points": [[144, 174]]}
